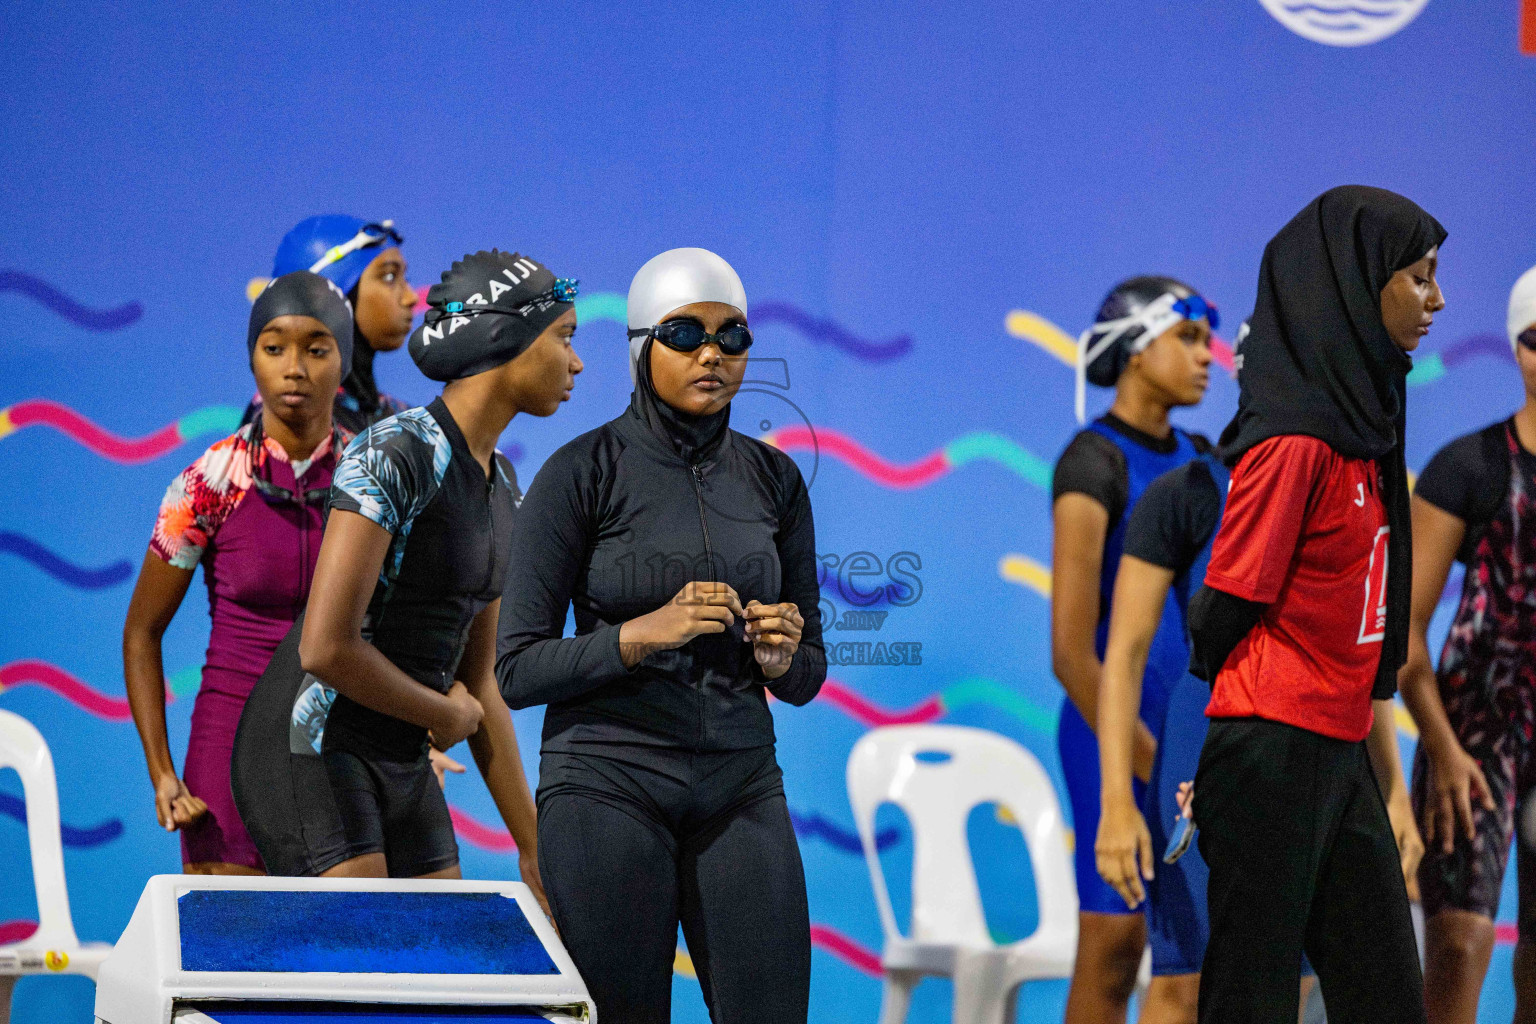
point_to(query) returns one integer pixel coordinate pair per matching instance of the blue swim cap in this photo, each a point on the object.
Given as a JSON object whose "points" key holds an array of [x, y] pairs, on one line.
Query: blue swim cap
{"points": [[313, 238]]}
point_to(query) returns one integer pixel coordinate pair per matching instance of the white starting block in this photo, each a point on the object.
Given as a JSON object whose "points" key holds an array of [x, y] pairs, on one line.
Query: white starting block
{"points": [[204, 949]]}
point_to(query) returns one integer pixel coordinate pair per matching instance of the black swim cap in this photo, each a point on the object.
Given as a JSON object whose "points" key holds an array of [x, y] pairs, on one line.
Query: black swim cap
{"points": [[489, 307], [302, 293]]}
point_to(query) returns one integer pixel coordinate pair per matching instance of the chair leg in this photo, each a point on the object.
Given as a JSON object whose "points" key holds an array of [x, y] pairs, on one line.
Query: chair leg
{"points": [[7, 983], [894, 1002], [982, 996]]}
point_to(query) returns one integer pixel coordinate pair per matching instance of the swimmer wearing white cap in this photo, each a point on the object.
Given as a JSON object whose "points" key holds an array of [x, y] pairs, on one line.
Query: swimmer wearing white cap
{"points": [[688, 553]]}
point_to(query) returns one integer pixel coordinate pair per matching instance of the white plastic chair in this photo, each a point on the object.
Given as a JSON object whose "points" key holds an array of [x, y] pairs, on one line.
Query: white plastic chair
{"points": [[53, 948], [958, 769]]}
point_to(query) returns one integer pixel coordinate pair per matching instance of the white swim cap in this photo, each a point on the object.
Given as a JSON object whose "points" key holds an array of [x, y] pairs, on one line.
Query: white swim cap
{"points": [[676, 278], [1522, 305]]}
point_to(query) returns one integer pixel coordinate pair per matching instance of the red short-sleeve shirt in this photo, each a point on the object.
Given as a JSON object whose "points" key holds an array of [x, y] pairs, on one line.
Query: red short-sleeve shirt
{"points": [[1304, 532]]}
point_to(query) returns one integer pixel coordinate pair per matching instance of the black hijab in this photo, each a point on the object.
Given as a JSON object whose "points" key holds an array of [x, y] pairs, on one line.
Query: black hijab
{"points": [[1318, 361], [692, 437], [360, 383]]}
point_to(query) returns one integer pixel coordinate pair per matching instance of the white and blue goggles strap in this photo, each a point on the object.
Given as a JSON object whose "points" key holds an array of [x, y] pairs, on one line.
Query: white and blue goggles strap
{"points": [[1156, 316], [368, 234]]}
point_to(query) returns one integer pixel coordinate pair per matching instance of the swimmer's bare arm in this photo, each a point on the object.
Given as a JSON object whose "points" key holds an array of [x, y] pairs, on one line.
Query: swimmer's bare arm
{"points": [[495, 748], [157, 595], [332, 645], [1455, 778], [1141, 589], [1381, 742], [1080, 525]]}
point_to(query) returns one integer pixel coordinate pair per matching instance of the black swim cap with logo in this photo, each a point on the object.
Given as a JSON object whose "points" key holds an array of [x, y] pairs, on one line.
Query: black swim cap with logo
{"points": [[487, 309]]}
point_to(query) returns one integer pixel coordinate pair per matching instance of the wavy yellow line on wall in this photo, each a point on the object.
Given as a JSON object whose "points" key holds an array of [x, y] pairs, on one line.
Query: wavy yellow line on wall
{"points": [[1026, 572], [1036, 329]]}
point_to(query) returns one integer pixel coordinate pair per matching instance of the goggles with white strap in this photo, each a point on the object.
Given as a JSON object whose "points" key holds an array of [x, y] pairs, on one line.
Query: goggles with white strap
{"points": [[368, 234], [1155, 317]]}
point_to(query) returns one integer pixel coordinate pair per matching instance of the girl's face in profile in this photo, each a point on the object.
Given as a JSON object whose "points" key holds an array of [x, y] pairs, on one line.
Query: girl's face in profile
{"points": [[1410, 301]]}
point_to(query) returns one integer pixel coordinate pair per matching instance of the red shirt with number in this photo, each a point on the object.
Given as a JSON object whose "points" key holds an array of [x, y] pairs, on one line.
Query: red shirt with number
{"points": [[1305, 533]]}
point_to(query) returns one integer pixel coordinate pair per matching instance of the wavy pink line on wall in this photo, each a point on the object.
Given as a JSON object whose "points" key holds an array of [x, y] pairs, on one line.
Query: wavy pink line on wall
{"points": [[866, 712], [846, 949]]}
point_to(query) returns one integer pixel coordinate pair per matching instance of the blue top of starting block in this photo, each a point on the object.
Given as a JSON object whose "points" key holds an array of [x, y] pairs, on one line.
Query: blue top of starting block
{"points": [[358, 932], [351, 1013]]}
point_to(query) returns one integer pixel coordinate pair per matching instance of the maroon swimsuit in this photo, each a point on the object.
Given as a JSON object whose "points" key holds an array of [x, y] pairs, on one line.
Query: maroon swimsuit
{"points": [[258, 556]]}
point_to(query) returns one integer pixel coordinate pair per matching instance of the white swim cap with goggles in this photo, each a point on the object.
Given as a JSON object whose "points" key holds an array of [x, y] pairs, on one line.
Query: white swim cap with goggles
{"points": [[676, 278], [1135, 331]]}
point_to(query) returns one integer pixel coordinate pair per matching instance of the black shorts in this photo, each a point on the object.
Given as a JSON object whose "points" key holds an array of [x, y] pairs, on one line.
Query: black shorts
{"points": [[281, 787], [392, 807]]}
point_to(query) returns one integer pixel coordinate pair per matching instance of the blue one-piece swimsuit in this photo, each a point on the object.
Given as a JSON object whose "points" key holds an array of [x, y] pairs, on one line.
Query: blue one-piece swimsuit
{"points": [[1167, 662]]}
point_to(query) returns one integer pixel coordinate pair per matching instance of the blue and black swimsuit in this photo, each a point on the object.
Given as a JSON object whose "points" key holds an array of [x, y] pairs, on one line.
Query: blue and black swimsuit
{"points": [[414, 475]]}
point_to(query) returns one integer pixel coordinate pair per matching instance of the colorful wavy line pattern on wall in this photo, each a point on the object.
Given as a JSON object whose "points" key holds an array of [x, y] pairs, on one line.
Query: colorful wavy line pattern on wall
{"points": [[829, 332], [823, 937], [614, 307], [1036, 329], [72, 689], [810, 825], [212, 419], [80, 693], [850, 952], [610, 306], [62, 569], [977, 446], [1429, 368], [957, 695], [13, 806], [1026, 572], [75, 312]]}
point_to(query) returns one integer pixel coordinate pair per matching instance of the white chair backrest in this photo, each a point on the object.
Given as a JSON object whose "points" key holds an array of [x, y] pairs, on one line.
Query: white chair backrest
{"points": [[22, 748], [936, 774]]}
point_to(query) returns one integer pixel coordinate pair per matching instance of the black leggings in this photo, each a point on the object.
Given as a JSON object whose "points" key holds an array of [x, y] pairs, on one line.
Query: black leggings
{"points": [[1302, 857], [634, 840]]}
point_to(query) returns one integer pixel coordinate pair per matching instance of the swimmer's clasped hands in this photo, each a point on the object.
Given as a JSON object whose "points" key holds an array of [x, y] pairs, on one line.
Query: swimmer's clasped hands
{"points": [[774, 631], [461, 719], [700, 607]]}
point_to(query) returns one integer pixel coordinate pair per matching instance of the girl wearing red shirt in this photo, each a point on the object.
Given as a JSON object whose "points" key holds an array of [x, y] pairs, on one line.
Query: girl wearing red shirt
{"points": [[1303, 622]]}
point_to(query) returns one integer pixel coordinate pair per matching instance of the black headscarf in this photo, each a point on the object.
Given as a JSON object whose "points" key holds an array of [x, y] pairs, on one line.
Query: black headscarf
{"points": [[692, 437], [304, 294], [1318, 361], [360, 383]]}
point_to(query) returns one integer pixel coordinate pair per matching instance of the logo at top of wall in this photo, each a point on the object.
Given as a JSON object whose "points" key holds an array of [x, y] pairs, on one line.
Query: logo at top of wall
{"points": [[1344, 22]]}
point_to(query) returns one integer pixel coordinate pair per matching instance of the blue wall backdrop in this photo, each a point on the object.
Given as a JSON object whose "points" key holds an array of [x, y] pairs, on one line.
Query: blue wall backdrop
{"points": [[920, 202]]}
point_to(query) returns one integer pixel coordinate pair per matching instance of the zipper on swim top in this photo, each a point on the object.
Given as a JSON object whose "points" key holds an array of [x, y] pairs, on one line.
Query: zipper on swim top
{"points": [[698, 493], [697, 474]]}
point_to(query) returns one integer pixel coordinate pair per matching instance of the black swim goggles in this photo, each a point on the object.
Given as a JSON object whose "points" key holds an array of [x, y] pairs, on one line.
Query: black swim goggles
{"points": [[1527, 338], [276, 494], [688, 335]]}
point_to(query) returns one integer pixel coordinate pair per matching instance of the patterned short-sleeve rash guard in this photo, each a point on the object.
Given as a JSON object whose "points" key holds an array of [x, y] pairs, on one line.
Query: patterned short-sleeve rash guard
{"points": [[451, 526], [258, 558], [201, 497]]}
